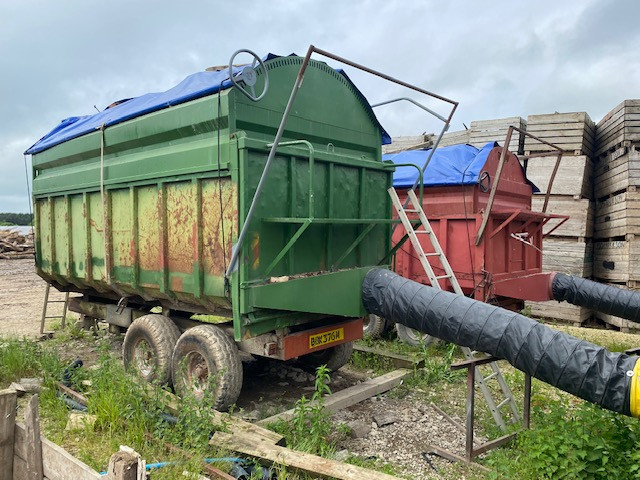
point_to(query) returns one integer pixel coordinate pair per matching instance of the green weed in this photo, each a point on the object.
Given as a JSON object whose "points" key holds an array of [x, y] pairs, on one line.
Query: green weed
{"points": [[583, 442]]}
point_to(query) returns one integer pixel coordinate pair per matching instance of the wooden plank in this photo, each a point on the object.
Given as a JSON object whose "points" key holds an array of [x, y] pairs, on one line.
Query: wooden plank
{"points": [[78, 397], [19, 469], [8, 403], [350, 396], [561, 311], [398, 360], [33, 444], [317, 467], [574, 175], [58, 464], [172, 403]]}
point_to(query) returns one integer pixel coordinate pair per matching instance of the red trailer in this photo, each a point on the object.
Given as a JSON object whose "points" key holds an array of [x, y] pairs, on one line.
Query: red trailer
{"points": [[503, 266]]}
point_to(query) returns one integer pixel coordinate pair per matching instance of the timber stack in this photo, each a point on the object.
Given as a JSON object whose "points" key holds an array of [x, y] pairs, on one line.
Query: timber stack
{"points": [[616, 182], [568, 248], [14, 245], [484, 131]]}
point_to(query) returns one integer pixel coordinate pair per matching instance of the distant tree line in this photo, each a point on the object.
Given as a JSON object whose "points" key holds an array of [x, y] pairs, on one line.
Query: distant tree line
{"points": [[16, 218]]}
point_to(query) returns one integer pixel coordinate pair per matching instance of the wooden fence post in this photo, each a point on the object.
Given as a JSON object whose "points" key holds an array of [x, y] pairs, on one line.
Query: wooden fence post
{"points": [[126, 465], [33, 440], [8, 399]]}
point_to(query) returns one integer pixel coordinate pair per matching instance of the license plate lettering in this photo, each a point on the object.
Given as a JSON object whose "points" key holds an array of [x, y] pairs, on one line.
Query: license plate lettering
{"points": [[324, 338]]}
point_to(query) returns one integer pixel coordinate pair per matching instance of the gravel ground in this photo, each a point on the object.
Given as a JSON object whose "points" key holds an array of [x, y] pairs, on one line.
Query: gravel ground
{"points": [[21, 298]]}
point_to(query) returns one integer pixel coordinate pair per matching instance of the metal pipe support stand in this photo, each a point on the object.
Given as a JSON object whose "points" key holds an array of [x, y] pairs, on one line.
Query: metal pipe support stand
{"points": [[472, 451]]}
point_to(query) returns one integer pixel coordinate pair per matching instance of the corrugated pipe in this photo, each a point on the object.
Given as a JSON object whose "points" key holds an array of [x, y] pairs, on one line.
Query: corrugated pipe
{"points": [[611, 380], [596, 296]]}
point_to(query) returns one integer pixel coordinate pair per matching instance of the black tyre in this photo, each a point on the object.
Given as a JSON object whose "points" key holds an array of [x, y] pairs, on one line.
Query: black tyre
{"points": [[148, 347], [206, 357], [333, 358], [373, 326], [413, 337]]}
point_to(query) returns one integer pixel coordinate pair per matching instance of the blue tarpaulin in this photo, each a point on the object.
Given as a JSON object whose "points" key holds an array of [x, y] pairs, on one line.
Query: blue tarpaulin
{"points": [[194, 86], [452, 165]]}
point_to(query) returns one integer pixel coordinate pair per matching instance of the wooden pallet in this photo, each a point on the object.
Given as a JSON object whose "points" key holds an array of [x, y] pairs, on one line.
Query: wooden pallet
{"points": [[580, 211], [561, 311], [573, 132], [574, 176], [413, 142], [621, 124], [572, 256], [484, 131], [617, 260], [618, 215], [620, 171], [455, 138]]}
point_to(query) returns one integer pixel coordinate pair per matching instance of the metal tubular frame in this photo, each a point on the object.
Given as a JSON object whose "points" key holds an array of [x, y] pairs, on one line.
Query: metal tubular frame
{"points": [[274, 146], [470, 450], [503, 157]]}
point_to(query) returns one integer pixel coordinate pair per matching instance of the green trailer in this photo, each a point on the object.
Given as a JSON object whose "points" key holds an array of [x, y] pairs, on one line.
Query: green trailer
{"points": [[144, 213]]}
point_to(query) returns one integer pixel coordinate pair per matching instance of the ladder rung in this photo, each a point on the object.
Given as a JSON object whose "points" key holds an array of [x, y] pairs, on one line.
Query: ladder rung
{"points": [[443, 276], [421, 231], [490, 376], [432, 254], [503, 403], [411, 210]]}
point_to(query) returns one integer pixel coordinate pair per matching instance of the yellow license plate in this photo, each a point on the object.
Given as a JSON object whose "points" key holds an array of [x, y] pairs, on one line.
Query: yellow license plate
{"points": [[320, 339]]}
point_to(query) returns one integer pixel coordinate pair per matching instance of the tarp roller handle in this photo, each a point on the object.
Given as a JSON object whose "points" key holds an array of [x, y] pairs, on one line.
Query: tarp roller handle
{"points": [[248, 76]]}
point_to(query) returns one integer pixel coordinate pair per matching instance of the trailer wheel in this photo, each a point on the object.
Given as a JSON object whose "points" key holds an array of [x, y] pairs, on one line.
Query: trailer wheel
{"points": [[413, 337], [333, 358], [206, 357], [373, 326], [148, 347]]}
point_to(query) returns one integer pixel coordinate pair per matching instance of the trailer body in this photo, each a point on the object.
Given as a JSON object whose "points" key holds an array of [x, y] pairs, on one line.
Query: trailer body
{"points": [[147, 211]]}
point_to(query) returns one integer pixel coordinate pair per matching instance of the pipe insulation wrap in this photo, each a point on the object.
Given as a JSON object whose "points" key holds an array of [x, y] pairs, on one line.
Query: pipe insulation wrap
{"points": [[597, 296], [576, 366]]}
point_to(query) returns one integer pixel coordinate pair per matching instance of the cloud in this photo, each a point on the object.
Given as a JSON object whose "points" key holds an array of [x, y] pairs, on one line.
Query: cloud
{"points": [[496, 58]]}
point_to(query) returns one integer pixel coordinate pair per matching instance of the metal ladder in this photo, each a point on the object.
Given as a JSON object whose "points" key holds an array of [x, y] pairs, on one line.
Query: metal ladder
{"points": [[416, 207], [45, 308]]}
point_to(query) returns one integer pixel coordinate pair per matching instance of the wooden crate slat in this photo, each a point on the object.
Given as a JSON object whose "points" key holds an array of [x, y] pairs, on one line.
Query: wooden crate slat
{"points": [[618, 174], [58, 464], [580, 211], [566, 255], [570, 131], [559, 311], [573, 178], [617, 260], [618, 215]]}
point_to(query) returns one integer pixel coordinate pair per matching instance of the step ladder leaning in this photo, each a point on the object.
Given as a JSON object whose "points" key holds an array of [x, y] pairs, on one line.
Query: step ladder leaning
{"points": [[45, 309], [414, 206]]}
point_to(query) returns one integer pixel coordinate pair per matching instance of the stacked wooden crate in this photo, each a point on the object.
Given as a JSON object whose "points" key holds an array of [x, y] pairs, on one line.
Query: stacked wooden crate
{"points": [[484, 131], [616, 186], [455, 138], [569, 248]]}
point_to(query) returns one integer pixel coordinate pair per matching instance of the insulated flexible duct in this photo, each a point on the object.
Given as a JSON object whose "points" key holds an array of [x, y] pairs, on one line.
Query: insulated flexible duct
{"points": [[597, 296], [588, 371]]}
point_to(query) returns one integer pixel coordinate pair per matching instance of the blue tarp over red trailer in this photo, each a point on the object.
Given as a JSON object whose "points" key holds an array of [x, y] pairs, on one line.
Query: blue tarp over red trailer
{"points": [[452, 165], [194, 86]]}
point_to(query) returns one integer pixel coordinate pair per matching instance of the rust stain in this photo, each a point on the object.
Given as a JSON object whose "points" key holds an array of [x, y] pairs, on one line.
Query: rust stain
{"points": [[176, 284]]}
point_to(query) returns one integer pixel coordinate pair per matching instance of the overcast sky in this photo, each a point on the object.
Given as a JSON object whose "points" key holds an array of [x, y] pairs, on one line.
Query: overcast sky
{"points": [[497, 58]]}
